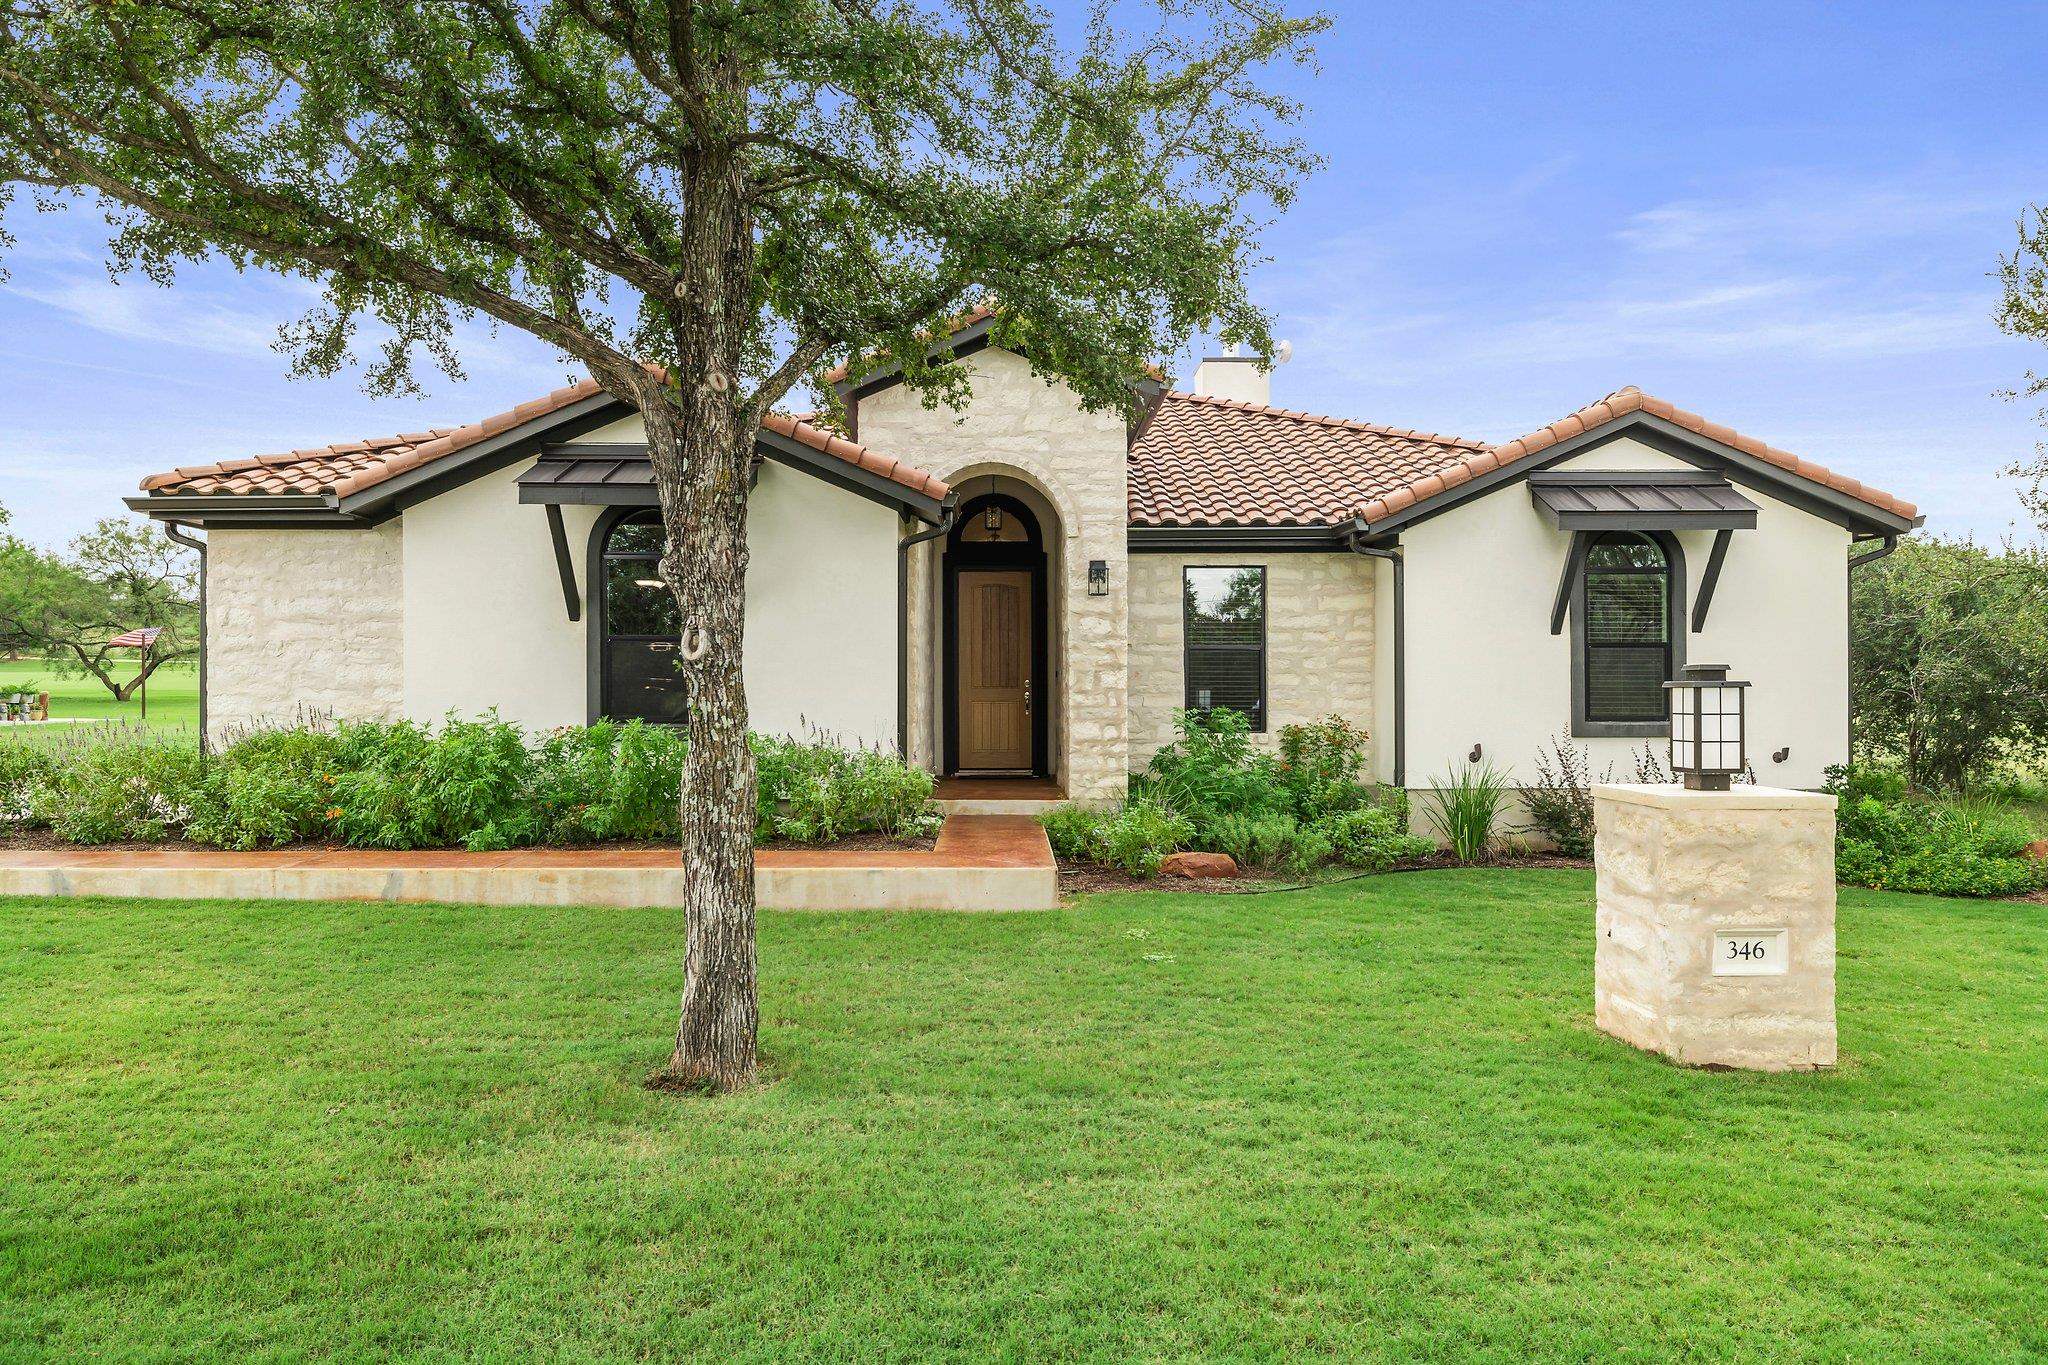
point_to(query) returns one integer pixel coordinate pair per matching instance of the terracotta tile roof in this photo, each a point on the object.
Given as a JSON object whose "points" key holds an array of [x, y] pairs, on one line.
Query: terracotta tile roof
{"points": [[1616, 405], [349, 467], [1201, 461]]}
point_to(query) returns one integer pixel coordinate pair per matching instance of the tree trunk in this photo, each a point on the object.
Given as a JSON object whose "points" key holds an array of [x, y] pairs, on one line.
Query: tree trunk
{"points": [[701, 448]]}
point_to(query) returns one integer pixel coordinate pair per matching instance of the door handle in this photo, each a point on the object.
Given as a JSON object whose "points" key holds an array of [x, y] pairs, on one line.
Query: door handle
{"points": [[1027, 696]]}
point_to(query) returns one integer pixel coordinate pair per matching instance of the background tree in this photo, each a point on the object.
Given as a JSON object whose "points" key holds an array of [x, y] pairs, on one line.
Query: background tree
{"points": [[1951, 659], [116, 577], [2023, 312], [701, 202]]}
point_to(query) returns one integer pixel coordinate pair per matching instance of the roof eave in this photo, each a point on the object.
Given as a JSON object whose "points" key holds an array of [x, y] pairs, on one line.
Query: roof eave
{"points": [[1670, 438]]}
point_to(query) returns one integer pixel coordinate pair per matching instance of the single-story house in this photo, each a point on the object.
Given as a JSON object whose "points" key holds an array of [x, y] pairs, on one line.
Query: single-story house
{"points": [[1028, 588]]}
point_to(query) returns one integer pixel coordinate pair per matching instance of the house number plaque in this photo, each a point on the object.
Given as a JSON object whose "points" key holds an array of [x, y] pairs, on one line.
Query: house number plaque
{"points": [[1750, 952]]}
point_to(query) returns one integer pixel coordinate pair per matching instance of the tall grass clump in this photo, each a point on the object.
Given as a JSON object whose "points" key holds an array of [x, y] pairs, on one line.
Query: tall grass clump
{"points": [[1465, 809]]}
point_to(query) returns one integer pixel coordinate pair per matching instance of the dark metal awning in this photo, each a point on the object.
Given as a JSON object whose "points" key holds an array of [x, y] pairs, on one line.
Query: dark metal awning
{"points": [[1632, 500], [604, 476]]}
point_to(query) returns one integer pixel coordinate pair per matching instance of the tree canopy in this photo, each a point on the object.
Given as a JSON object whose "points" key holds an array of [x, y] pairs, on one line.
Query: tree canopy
{"points": [[2023, 312], [1951, 659], [116, 577], [537, 164], [702, 202]]}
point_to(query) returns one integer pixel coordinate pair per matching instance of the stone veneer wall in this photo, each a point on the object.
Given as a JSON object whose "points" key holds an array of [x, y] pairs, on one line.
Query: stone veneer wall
{"points": [[1319, 641], [1676, 866], [1018, 424], [304, 619]]}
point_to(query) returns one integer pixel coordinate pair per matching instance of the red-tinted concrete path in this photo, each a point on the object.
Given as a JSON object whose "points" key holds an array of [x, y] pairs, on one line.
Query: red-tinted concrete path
{"points": [[981, 862]]}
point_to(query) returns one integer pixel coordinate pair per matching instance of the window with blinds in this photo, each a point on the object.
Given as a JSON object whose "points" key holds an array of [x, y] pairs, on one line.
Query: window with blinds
{"points": [[1224, 625], [1627, 628]]}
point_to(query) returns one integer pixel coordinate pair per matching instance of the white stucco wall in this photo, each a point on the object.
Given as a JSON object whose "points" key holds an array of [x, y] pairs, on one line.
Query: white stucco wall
{"points": [[485, 624], [303, 622], [484, 621], [1484, 668], [1319, 642], [1017, 425]]}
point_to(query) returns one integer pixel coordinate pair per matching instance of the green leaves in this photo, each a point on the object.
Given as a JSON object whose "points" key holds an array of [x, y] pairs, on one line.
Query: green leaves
{"points": [[534, 163], [1950, 668]]}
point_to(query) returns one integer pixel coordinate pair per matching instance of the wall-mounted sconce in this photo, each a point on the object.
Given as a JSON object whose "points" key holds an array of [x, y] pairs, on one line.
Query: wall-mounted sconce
{"points": [[1098, 578], [992, 519]]}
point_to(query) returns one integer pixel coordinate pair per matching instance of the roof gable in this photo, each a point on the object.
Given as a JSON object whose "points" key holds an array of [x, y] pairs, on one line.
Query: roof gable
{"points": [[366, 479], [1610, 418]]}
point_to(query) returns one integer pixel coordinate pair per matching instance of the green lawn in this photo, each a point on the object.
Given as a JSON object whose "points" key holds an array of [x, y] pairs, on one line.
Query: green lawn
{"points": [[1369, 1120], [173, 694]]}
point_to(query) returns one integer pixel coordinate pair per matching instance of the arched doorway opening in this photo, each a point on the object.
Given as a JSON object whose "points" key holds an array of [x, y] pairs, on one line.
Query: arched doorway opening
{"points": [[636, 630], [996, 686]]}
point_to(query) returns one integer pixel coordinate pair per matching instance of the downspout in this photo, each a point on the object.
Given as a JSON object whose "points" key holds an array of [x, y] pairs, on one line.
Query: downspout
{"points": [[1891, 543], [186, 538], [948, 511], [1393, 556]]}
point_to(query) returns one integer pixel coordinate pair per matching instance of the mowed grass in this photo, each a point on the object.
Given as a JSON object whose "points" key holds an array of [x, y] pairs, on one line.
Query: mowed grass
{"points": [[1373, 1120], [173, 695]]}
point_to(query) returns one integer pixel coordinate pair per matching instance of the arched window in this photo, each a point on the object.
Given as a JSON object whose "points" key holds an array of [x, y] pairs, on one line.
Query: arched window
{"points": [[1626, 633], [639, 626]]}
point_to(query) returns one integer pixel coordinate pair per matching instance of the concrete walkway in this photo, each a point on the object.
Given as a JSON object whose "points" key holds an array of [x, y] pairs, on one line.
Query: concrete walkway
{"points": [[982, 862]]}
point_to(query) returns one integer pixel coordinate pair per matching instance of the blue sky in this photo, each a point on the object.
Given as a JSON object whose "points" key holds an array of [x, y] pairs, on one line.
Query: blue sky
{"points": [[1781, 215]]}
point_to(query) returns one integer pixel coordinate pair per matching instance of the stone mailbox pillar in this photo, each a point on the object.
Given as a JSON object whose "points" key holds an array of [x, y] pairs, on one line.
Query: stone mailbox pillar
{"points": [[1716, 924]]}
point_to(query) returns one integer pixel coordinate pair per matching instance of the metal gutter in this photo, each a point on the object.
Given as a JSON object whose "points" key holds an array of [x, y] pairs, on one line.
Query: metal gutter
{"points": [[1392, 554], [184, 537], [948, 512], [1891, 543]]}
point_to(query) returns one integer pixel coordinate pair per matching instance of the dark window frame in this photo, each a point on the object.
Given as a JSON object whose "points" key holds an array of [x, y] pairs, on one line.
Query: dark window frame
{"points": [[597, 611], [1263, 720], [1583, 725]]}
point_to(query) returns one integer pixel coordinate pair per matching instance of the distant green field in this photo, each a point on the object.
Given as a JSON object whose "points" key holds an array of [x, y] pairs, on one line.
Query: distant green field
{"points": [[173, 696]]}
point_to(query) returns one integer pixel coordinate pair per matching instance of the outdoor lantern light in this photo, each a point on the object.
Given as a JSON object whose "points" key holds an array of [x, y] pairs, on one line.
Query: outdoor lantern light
{"points": [[1098, 578], [1707, 741], [992, 519]]}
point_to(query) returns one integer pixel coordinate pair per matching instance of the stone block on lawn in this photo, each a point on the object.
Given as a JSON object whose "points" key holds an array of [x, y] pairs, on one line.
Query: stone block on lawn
{"points": [[1197, 865], [1716, 924]]}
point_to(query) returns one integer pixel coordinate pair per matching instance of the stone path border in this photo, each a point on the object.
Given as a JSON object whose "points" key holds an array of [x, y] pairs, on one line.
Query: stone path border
{"points": [[981, 862]]}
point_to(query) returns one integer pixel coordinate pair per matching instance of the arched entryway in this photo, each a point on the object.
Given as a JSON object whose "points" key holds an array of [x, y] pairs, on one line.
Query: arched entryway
{"points": [[996, 686]]}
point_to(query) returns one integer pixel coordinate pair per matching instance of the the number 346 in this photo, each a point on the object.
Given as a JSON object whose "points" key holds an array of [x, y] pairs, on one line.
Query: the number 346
{"points": [[1746, 949]]}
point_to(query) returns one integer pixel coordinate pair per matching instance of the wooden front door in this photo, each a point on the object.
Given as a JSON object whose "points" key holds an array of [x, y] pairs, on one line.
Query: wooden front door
{"points": [[993, 670]]}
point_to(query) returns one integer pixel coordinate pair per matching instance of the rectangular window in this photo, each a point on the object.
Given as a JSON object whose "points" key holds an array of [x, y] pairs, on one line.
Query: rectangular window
{"points": [[1626, 630], [1223, 620]]}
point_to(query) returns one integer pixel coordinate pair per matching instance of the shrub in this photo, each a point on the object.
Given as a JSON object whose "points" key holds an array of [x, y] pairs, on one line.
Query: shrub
{"points": [[1138, 837], [270, 787], [1255, 840], [1211, 770], [409, 787], [1135, 836], [1561, 802], [813, 791], [1893, 839], [127, 789], [1074, 831], [608, 781], [1375, 838], [1323, 767], [1465, 810]]}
